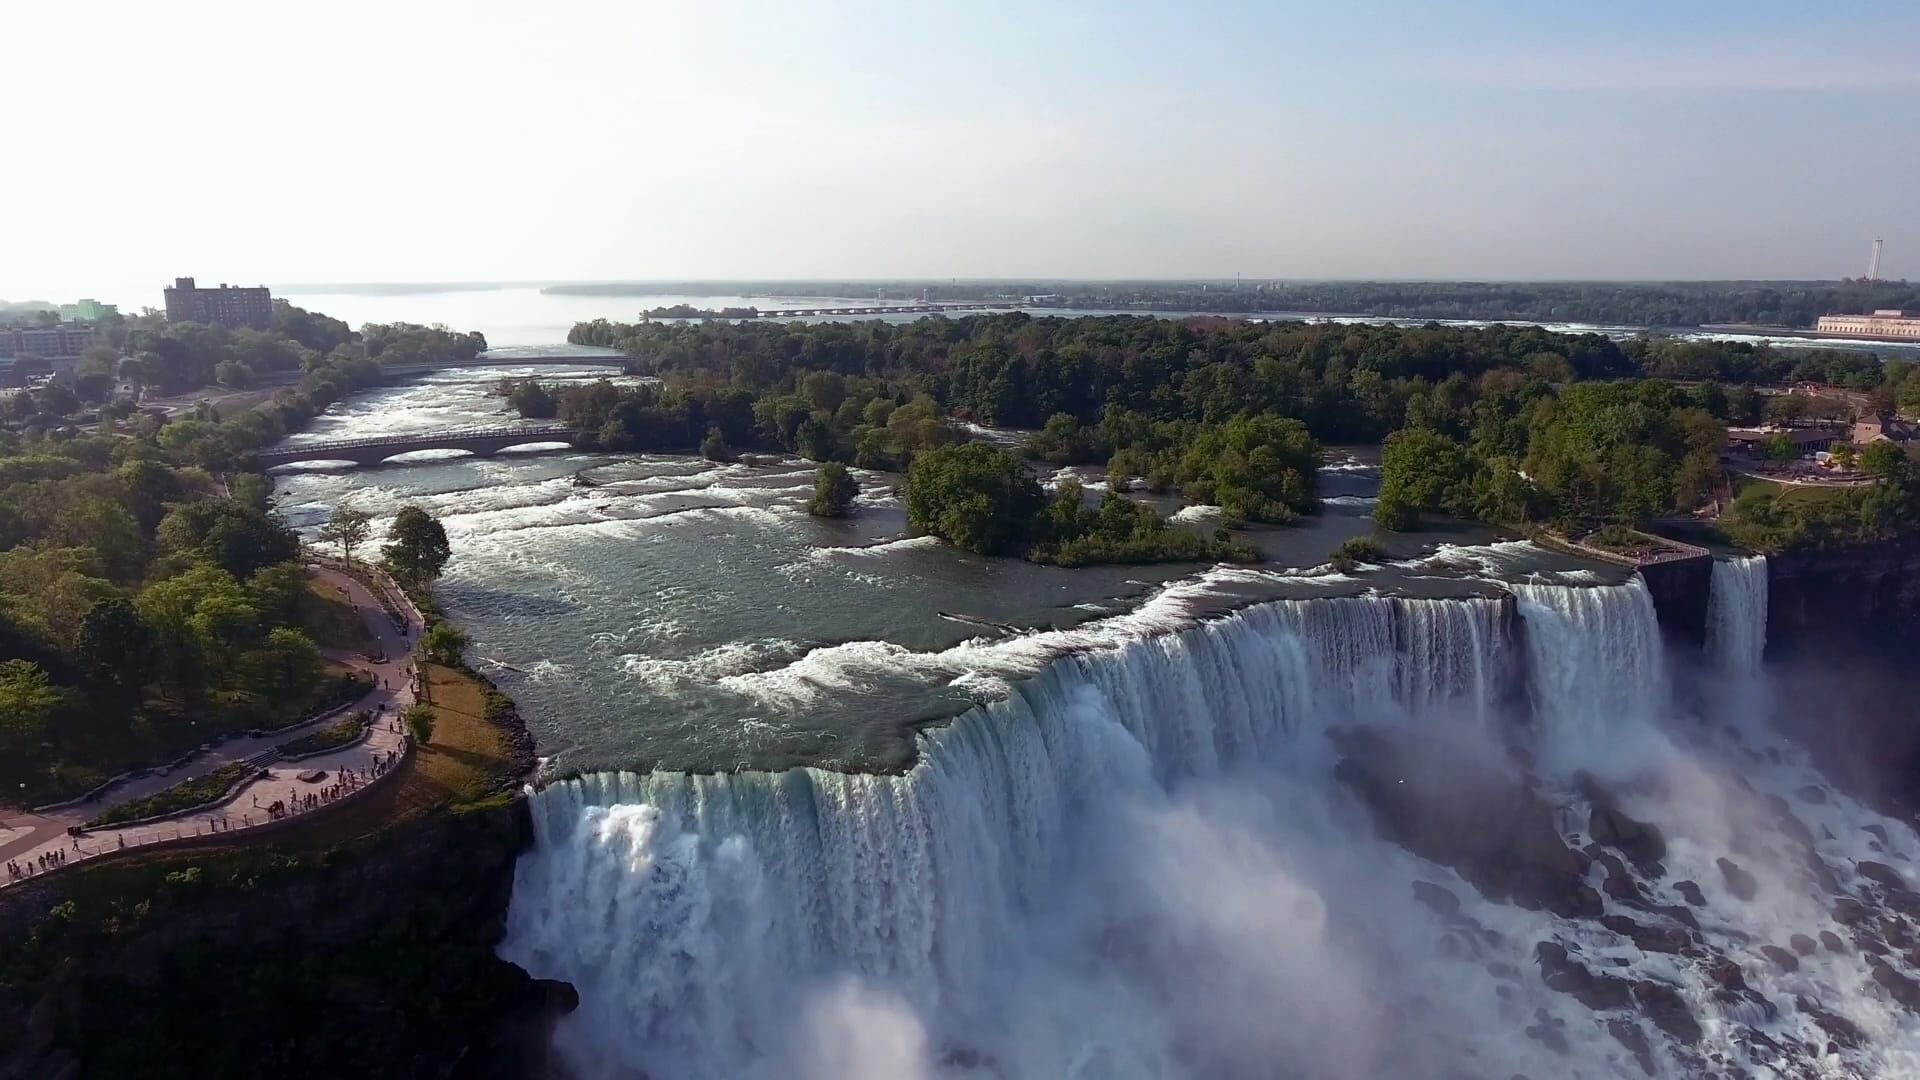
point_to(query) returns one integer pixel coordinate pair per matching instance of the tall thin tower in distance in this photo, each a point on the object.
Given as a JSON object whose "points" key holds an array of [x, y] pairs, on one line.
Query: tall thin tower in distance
{"points": [[1873, 262]]}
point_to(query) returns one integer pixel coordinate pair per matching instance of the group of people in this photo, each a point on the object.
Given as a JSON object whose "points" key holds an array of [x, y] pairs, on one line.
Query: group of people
{"points": [[346, 782], [45, 861]]}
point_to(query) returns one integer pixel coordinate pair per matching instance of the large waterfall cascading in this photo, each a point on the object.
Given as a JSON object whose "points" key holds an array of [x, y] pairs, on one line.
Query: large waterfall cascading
{"points": [[1594, 658], [1737, 614], [693, 911], [1138, 865]]}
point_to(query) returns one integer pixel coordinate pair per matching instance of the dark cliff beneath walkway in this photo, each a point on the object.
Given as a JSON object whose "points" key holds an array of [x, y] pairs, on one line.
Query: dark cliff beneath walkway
{"points": [[1681, 592], [1866, 596], [1842, 628], [370, 958]]}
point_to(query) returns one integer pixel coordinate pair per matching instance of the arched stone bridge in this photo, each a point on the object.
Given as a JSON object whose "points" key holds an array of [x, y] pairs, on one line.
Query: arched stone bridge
{"points": [[478, 441]]}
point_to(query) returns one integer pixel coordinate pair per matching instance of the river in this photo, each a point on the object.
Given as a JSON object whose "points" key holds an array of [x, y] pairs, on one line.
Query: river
{"points": [[823, 799], [522, 315]]}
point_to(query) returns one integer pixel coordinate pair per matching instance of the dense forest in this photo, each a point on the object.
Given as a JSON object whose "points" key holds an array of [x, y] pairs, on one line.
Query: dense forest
{"points": [[1509, 424], [1613, 303], [150, 354], [149, 597]]}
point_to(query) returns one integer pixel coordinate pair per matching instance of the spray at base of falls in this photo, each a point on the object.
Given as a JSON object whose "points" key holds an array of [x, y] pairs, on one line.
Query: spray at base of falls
{"points": [[1138, 864]]}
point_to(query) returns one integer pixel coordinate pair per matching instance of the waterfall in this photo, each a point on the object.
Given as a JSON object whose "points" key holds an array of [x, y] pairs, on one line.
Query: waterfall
{"points": [[1139, 864], [962, 906], [1737, 615], [1594, 659]]}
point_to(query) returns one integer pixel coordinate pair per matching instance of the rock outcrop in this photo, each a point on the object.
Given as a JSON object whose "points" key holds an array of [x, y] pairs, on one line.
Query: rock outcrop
{"points": [[1474, 815]]}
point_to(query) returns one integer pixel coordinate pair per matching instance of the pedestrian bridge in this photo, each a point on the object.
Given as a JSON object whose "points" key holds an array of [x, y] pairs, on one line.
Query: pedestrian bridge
{"points": [[372, 450]]}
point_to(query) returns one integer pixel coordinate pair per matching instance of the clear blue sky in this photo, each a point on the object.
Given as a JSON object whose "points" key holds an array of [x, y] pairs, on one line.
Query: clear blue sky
{"points": [[404, 141]]}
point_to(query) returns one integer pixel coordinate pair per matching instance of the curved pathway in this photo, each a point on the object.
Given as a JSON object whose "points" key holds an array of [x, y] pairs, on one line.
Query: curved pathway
{"points": [[24, 837]]}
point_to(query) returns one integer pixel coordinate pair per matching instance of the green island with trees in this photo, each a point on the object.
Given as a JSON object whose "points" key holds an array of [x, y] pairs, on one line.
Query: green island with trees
{"points": [[1513, 425]]}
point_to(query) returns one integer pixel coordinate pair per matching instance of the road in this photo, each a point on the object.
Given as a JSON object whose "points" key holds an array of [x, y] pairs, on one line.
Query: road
{"points": [[25, 836]]}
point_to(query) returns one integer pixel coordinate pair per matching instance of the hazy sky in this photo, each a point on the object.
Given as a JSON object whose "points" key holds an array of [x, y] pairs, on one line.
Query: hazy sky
{"points": [[545, 139]]}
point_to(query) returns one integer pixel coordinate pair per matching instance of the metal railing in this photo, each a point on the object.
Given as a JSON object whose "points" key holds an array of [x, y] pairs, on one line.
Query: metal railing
{"points": [[423, 439]]}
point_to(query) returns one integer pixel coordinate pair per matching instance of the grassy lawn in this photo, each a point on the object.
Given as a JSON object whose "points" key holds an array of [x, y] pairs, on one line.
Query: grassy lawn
{"points": [[465, 765], [337, 734], [182, 796], [1789, 495], [331, 621], [163, 728]]}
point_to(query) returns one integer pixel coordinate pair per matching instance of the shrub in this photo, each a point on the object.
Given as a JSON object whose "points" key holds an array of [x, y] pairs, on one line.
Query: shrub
{"points": [[419, 721], [834, 489], [1358, 550]]}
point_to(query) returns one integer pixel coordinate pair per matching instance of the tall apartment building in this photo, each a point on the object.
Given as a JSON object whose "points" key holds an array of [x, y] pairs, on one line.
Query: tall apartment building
{"points": [[56, 344], [1891, 324], [87, 311], [228, 305]]}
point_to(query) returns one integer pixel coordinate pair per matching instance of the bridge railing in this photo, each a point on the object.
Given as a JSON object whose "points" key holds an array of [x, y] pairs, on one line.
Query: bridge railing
{"points": [[530, 434]]}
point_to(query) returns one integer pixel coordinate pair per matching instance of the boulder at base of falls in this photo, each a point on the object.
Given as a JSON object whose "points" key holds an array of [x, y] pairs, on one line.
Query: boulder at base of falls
{"points": [[1560, 971], [1691, 893], [1635, 1041], [1639, 841], [1803, 944], [1658, 939], [1739, 882], [1903, 989], [1449, 805], [1437, 897], [1781, 958], [1663, 1005], [1838, 1028]]}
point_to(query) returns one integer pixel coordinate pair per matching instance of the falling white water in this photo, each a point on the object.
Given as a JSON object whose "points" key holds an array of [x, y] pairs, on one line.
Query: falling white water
{"points": [[1128, 868], [1138, 865], [1737, 614], [1594, 661]]}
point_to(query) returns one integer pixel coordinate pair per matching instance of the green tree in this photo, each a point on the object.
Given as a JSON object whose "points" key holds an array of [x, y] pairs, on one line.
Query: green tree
{"points": [[973, 496], [115, 644], [241, 539], [419, 721], [416, 549], [1423, 470], [443, 644], [30, 704], [1883, 459], [714, 446], [347, 528], [533, 401], [1264, 467], [286, 663], [834, 489]]}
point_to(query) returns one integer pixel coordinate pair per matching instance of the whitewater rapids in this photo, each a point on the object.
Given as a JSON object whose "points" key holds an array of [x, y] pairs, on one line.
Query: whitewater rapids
{"points": [[1139, 864]]}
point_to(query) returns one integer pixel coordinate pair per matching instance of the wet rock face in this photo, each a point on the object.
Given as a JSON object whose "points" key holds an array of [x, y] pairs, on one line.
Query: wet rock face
{"points": [[1648, 938], [1641, 842], [1663, 1005], [1442, 901], [1838, 1028], [1900, 987], [1738, 881], [1468, 813], [1781, 958], [1569, 976], [1630, 1036]]}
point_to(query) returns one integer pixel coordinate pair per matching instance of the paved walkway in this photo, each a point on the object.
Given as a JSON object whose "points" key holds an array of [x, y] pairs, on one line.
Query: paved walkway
{"points": [[24, 837]]}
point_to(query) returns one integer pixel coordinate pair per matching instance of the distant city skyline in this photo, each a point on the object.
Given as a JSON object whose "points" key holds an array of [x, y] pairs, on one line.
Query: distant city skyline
{"points": [[595, 140]]}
